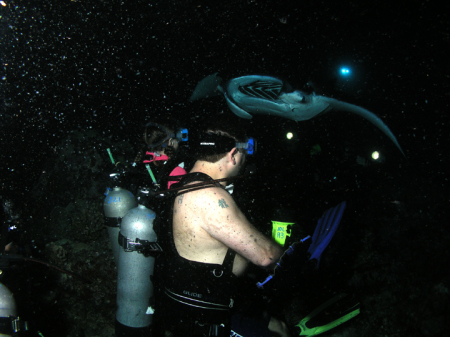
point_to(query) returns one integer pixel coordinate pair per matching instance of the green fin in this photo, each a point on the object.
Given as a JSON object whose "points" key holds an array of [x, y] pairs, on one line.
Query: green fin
{"points": [[337, 310]]}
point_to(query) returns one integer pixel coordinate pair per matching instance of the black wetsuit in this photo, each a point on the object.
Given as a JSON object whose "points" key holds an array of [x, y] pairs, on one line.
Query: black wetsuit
{"points": [[198, 297]]}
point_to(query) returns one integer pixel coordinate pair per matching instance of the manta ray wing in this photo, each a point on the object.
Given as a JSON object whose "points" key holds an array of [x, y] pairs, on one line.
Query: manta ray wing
{"points": [[364, 113], [236, 109], [209, 86]]}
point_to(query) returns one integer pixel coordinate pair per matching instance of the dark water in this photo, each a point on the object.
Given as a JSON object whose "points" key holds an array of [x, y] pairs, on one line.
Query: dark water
{"points": [[80, 76]]}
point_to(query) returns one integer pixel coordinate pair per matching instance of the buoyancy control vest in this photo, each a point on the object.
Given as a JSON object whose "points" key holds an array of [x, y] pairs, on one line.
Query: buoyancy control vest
{"points": [[193, 290]]}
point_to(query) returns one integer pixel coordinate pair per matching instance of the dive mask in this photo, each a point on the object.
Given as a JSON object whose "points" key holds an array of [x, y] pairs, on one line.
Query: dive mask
{"points": [[249, 147], [181, 134], [210, 143]]}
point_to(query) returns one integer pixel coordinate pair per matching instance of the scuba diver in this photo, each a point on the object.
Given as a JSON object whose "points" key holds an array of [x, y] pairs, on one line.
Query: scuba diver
{"points": [[209, 244], [130, 207], [164, 144], [158, 158]]}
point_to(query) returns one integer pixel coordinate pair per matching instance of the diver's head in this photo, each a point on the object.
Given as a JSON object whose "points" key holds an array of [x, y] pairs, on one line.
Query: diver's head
{"points": [[220, 148], [217, 138], [164, 138]]}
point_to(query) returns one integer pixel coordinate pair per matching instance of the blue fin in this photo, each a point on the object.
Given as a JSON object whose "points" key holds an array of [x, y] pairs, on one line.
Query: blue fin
{"points": [[324, 232]]}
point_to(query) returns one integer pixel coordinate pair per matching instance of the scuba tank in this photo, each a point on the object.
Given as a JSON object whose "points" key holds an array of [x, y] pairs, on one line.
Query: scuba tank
{"points": [[135, 247], [138, 246], [130, 230], [10, 324], [8, 312], [117, 203]]}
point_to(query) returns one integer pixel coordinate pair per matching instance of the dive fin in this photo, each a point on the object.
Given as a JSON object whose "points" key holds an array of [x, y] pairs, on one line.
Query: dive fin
{"points": [[324, 232], [237, 110], [209, 86], [335, 311]]}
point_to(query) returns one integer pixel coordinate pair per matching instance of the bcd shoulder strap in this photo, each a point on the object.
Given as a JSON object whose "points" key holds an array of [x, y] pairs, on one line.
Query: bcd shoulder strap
{"points": [[196, 176]]}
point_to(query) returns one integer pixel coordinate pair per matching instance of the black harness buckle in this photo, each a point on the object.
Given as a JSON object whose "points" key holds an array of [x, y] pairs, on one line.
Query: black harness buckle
{"points": [[143, 247]]}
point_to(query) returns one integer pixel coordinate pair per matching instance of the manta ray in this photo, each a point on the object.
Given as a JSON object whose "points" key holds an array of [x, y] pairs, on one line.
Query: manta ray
{"points": [[254, 94]]}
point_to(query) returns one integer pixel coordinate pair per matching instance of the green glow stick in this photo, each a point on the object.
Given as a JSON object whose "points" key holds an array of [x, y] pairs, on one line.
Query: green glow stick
{"points": [[110, 156], [151, 173]]}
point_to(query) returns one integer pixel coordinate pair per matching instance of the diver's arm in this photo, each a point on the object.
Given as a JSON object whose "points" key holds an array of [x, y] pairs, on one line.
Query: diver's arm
{"points": [[225, 222]]}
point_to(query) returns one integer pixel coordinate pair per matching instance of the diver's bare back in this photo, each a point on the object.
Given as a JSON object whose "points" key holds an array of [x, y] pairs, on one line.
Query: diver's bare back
{"points": [[207, 221]]}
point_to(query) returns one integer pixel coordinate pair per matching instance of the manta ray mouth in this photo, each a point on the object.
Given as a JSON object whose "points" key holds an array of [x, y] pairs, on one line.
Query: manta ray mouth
{"points": [[262, 89]]}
